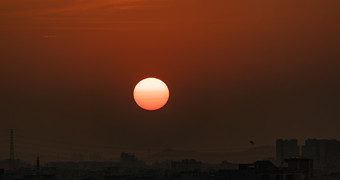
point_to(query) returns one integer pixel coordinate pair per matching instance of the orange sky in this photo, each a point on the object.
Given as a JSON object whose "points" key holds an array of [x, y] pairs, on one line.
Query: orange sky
{"points": [[234, 69]]}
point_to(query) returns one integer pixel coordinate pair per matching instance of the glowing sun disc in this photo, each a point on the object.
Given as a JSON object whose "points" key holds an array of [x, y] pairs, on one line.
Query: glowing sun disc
{"points": [[151, 94]]}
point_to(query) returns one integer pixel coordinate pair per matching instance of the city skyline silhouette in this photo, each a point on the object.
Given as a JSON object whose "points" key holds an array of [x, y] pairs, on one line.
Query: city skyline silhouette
{"points": [[240, 75]]}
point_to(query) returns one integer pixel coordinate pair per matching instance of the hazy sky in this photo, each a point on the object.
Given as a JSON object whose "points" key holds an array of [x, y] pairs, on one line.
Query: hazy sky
{"points": [[237, 71]]}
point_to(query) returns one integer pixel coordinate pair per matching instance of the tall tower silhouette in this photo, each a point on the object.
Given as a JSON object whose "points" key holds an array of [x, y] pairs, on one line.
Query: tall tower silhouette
{"points": [[11, 150], [38, 163]]}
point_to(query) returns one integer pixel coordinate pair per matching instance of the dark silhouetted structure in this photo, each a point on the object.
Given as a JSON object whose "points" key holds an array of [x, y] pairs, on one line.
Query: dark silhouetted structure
{"points": [[186, 165], [324, 152], [128, 158], [11, 148], [304, 165], [298, 169], [38, 163], [286, 149]]}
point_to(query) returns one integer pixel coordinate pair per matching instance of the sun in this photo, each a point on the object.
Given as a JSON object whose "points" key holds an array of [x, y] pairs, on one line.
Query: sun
{"points": [[151, 94]]}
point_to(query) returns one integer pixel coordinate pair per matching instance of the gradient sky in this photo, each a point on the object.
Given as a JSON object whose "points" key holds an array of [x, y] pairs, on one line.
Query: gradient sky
{"points": [[237, 71]]}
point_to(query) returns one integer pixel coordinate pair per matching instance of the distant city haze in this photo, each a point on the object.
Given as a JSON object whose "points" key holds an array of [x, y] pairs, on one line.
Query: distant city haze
{"points": [[237, 71]]}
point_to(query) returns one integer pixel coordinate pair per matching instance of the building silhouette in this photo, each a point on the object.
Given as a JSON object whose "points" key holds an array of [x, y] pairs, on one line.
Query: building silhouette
{"points": [[128, 158], [297, 169], [186, 165], [324, 152], [286, 149]]}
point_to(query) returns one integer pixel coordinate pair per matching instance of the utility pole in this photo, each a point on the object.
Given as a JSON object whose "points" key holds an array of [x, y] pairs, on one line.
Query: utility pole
{"points": [[11, 153], [11, 150], [38, 163]]}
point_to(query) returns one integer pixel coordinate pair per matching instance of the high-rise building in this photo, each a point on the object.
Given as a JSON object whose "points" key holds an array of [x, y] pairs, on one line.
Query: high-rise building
{"points": [[323, 151], [286, 149]]}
